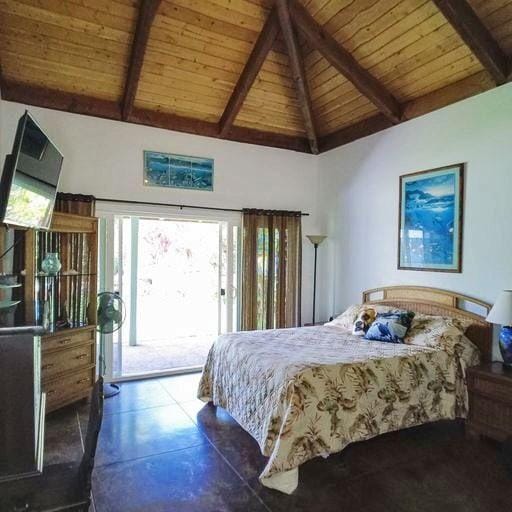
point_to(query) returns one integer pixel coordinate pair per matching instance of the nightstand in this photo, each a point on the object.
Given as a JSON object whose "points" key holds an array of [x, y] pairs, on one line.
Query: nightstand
{"points": [[490, 401]]}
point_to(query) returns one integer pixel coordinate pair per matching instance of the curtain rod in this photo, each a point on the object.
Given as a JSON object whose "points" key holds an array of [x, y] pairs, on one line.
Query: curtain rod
{"points": [[180, 206]]}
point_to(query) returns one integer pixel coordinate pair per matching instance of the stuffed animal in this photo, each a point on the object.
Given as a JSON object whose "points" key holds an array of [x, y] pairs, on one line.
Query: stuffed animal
{"points": [[364, 319]]}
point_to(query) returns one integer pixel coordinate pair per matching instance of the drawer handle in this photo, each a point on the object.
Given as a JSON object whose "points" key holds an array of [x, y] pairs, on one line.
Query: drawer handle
{"points": [[63, 341], [82, 356], [81, 381], [47, 366], [51, 392]]}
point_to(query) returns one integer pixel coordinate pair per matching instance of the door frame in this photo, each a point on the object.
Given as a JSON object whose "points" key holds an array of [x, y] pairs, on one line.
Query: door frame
{"points": [[107, 212]]}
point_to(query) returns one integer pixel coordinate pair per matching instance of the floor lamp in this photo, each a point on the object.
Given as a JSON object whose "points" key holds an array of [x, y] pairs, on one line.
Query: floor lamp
{"points": [[316, 240]]}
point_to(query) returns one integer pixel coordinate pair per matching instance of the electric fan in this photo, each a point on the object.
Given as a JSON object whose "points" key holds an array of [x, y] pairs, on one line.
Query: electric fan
{"points": [[111, 315]]}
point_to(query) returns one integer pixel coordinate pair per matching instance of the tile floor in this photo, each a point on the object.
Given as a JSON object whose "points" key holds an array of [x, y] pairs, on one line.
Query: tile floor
{"points": [[162, 450]]}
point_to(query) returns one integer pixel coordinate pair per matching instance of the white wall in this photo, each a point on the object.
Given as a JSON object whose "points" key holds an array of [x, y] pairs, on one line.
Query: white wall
{"points": [[104, 158], [359, 185], [351, 192]]}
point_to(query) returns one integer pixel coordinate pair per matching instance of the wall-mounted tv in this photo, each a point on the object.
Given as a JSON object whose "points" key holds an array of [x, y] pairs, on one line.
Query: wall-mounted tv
{"points": [[31, 175]]}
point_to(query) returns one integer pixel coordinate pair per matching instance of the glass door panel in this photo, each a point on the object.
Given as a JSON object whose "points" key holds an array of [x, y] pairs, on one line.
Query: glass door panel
{"points": [[178, 280]]}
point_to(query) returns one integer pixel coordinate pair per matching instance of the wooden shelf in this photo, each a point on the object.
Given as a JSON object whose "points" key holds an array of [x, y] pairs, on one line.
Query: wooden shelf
{"points": [[59, 276], [68, 353], [70, 223]]}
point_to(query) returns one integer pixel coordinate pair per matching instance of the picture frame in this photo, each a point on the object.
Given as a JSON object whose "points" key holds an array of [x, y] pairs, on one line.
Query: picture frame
{"points": [[178, 171], [430, 223]]}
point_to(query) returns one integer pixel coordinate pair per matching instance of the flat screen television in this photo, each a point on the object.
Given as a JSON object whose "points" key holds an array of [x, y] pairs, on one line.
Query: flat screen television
{"points": [[30, 178]]}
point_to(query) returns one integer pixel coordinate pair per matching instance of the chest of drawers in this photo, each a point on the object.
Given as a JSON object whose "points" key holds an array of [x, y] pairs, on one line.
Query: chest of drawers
{"points": [[68, 366]]}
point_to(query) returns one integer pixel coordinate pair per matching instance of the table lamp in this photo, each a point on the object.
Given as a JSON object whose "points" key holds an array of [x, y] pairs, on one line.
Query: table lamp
{"points": [[501, 313]]}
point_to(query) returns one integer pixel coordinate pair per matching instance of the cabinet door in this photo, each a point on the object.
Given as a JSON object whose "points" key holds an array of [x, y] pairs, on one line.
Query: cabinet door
{"points": [[20, 442]]}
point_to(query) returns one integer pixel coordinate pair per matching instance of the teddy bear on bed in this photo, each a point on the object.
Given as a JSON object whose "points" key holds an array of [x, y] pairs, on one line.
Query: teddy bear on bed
{"points": [[364, 319]]}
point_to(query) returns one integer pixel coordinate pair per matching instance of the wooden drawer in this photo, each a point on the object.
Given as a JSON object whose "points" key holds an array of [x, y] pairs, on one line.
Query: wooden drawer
{"points": [[490, 388], [66, 360], [59, 390], [495, 415], [66, 339]]}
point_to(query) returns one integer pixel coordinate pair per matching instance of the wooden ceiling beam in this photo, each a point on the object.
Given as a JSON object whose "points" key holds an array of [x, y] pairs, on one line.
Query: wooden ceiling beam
{"points": [[258, 55], [86, 105], [177, 123], [465, 88], [476, 35], [298, 72], [1, 80], [458, 91], [353, 132], [147, 13], [60, 100], [343, 61]]}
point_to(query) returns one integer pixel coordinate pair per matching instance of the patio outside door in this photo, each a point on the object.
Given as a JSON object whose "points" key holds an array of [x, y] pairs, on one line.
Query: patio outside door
{"points": [[177, 277]]}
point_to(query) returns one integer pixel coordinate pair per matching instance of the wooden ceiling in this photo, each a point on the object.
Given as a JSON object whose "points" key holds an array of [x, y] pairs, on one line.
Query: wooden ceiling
{"points": [[307, 75]]}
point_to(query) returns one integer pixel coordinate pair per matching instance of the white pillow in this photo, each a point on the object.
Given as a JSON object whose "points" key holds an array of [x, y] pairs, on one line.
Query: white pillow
{"points": [[346, 319]]}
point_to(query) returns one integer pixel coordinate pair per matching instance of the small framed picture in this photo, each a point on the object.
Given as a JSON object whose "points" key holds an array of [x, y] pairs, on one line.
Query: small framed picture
{"points": [[177, 171], [430, 220]]}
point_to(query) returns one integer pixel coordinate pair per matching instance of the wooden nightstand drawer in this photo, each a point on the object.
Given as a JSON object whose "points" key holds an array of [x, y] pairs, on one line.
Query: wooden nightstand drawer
{"points": [[66, 360], [492, 414], [493, 389], [490, 401]]}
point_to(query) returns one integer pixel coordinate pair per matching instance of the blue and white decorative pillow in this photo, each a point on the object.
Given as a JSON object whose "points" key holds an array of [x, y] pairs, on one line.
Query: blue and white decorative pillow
{"points": [[390, 327]]}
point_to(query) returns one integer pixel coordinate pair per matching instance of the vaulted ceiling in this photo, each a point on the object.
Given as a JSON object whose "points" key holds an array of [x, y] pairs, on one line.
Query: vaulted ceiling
{"points": [[307, 75]]}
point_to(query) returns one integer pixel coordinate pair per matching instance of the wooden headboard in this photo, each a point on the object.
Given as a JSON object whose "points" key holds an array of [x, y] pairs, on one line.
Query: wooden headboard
{"points": [[433, 301]]}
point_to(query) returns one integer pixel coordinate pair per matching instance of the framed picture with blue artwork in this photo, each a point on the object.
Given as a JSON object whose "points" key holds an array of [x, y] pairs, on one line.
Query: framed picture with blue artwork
{"points": [[177, 171], [430, 223]]}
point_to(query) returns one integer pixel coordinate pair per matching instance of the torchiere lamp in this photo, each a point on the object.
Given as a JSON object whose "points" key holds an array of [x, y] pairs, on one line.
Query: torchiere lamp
{"points": [[316, 240], [501, 313]]}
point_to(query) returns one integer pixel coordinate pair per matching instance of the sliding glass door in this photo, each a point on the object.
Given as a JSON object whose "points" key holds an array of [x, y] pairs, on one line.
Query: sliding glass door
{"points": [[178, 279]]}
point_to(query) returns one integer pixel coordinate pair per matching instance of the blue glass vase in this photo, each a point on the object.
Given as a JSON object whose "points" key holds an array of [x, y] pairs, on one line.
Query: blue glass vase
{"points": [[506, 345], [51, 264]]}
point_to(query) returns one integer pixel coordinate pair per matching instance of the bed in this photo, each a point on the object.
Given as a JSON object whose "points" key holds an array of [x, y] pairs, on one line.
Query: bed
{"points": [[310, 391]]}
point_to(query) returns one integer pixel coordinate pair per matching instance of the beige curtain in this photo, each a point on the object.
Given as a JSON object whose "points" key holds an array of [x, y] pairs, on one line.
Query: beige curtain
{"points": [[271, 269]]}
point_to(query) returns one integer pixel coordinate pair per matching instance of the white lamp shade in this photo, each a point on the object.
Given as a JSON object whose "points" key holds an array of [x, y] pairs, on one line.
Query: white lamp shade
{"points": [[501, 312], [316, 239]]}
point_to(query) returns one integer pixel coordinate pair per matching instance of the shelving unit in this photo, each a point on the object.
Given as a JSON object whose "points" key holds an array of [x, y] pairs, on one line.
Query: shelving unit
{"points": [[11, 294], [68, 365]]}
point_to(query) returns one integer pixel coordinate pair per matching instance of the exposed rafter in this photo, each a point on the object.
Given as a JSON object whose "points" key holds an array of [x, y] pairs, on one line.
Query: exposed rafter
{"points": [[299, 74], [86, 105], [476, 35], [465, 88], [209, 129], [356, 131], [288, 16], [458, 91], [250, 72], [319, 39], [147, 12], [1, 82], [60, 100]]}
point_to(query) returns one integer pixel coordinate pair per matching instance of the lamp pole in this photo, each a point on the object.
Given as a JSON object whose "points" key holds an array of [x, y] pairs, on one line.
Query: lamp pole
{"points": [[314, 284], [316, 240]]}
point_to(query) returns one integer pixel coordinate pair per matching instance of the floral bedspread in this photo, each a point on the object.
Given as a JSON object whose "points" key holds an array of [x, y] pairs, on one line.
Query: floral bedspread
{"points": [[311, 391]]}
